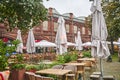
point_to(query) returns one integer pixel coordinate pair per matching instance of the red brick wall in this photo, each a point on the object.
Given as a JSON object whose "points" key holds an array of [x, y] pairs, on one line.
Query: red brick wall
{"points": [[50, 34]]}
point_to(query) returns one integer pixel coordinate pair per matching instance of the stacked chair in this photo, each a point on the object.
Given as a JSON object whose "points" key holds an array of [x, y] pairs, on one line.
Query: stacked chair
{"points": [[71, 76], [88, 65], [96, 76], [80, 73]]}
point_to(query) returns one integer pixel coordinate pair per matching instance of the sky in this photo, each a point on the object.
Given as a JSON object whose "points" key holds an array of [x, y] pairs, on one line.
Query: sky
{"points": [[77, 7]]}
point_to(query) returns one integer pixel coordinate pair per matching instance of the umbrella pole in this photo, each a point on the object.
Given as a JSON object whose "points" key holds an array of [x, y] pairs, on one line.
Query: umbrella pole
{"points": [[101, 69]]}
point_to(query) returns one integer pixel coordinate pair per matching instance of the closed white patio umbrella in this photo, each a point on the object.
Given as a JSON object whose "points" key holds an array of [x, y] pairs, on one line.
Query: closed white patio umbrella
{"points": [[20, 45], [61, 38], [99, 33], [79, 41], [71, 44], [114, 42], [30, 42], [87, 44]]}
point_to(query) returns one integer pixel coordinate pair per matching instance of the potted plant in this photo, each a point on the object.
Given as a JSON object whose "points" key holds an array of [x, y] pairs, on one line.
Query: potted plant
{"points": [[17, 72], [18, 68], [31, 68]]}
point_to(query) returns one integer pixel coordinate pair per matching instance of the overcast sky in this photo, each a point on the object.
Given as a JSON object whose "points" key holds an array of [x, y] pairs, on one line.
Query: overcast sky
{"points": [[77, 7]]}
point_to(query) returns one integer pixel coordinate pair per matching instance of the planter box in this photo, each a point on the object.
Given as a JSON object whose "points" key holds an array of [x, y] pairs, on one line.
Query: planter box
{"points": [[17, 74]]}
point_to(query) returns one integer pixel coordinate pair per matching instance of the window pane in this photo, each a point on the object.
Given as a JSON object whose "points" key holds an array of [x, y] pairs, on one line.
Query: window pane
{"points": [[67, 28], [55, 26], [89, 32], [45, 25], [83, 30], [75, 29]]}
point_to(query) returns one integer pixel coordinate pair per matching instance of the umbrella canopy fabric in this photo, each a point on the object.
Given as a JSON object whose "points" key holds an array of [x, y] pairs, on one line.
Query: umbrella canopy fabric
{"points": [[20, 45], [45, 43], [87, 44], [75, 40], [99, 32], [30, 42], [71, 44], [61, 38], [114, 42], [79, 42]]}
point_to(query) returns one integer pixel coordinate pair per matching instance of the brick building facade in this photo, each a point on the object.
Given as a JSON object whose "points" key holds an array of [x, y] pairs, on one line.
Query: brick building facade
{"points": [[47, 30]]}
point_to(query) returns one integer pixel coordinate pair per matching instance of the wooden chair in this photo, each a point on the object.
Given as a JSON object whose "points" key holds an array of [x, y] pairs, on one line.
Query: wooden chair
{"points": [[71, 75], [47, 78], [94, 77], [96, 73], [108, 78], [32, 76], [38, 77], [97, 77], [29, 76], [80, 72], [88, 65], [26, 76]]}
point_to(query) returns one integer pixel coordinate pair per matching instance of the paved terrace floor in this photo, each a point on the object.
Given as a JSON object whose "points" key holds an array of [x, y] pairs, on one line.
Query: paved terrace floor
{"points": [[109, 68]]}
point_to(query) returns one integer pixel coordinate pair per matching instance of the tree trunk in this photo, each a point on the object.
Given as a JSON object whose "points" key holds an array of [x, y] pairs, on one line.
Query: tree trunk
{"points": [[112, 46]]}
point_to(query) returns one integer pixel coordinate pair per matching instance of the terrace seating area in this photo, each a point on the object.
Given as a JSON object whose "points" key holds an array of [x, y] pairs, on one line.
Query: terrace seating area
{"points": [[83, 68]]}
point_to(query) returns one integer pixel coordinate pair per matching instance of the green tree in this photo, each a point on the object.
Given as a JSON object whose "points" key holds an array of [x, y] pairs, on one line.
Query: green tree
{"points": [[23, 14], [112, 16], [112, 13]]}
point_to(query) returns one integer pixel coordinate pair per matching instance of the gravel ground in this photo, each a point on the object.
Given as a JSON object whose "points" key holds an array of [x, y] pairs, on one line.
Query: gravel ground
{"points": [[109, 68]]}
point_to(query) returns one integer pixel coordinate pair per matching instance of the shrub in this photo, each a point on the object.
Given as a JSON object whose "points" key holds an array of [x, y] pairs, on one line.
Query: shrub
{"points": [[31, 67], [41, 66], [18, 66], [86, 54], [60, 59], [67, 57], [74, 57]]}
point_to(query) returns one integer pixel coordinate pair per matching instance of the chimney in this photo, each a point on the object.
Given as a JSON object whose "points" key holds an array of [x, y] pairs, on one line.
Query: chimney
{"points": [[71, 15], [50, 11]]}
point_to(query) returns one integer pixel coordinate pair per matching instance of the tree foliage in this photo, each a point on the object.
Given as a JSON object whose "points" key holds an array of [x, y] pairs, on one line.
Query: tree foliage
{"points": [[112, 16], [23, 14], [5, 52]]}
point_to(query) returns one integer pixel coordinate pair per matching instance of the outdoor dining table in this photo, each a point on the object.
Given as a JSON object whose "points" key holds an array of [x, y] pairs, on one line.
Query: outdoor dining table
{"points": [[75, 64], [86, 59], [80, 67], [58, 72]]}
